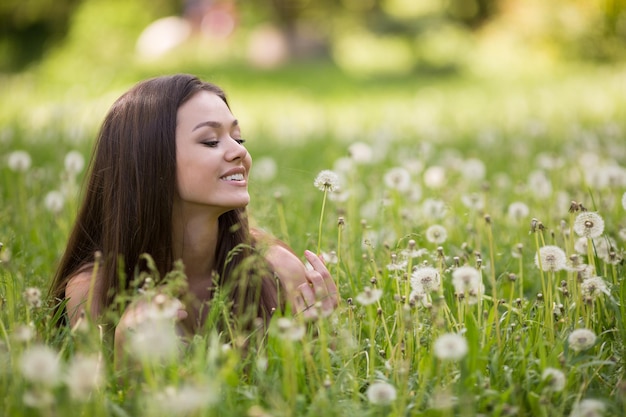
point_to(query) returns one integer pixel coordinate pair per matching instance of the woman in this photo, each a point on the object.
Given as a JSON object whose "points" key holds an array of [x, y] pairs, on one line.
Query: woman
{"points": [[169, 178]]}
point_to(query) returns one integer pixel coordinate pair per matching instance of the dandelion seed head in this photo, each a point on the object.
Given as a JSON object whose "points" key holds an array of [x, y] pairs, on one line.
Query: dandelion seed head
{"points": [[154, 341], [38, 398], [326, 180], [163, 307], [361, 152], [588, 408], [581, 339], [589, 224], [450, 346], [19, 161], [24, 333], [518, 211], [435, 177], [39, 364], [551, 258], [425, 279], [381, 393], [32, 296], [436, 234], [84, 376], [54, 201], [185, 400], [369, 296], [555, 379], [473, 169], [473, 201], [539, 184], [466, 279], [288, 329], [624, 200], [594, 287], [434, 209], [398, 178], [264, 169], [74, 162]]}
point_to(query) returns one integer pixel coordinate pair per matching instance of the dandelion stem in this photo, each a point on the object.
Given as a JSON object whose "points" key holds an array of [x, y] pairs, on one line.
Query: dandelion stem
{"points": [[319, 230]]}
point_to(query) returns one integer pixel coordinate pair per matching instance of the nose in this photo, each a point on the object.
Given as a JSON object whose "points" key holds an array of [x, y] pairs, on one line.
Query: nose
{"points": [[235, 151]]}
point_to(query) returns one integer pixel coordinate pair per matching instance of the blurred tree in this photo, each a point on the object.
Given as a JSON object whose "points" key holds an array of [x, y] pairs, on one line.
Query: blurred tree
{"points": [[28, 27]]}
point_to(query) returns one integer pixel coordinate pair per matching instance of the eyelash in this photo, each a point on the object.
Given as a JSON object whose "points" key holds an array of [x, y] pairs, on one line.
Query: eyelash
{"points": [[214, 143]]}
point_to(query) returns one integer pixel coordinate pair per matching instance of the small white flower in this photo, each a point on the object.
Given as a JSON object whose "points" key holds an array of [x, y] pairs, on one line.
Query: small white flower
{"points": [[450, 346], [19, 161], [589, 224], [518, 211], [581, 339], [381, 393], [398, 178], [369, 296], [326, 180], [555, 379], [74, 162], [32, 296], [54, 201], [436, 234], [40, 364], [289, 330], [551, 258], [588, 408], [84, 376], [425, 280], [593, 287]]}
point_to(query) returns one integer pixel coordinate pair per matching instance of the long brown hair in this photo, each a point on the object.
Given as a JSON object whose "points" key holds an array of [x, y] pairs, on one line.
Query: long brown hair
{"points": [[128, 199]]}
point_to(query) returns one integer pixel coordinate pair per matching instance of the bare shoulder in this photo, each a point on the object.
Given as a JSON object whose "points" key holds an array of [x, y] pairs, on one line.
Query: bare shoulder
{"points": [[286, 265], [77, 293]]}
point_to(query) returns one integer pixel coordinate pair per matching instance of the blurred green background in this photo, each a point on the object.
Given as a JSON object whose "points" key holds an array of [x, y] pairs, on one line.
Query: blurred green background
{"points": [[332, 68]]}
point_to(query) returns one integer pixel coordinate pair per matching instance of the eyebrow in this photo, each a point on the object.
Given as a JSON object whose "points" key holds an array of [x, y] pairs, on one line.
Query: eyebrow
{"points": [[216, 125]]}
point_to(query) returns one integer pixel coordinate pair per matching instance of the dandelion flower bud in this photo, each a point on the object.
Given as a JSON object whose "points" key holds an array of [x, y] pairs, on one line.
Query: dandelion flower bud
{"points": [[450, 346], [551, 258], [19, 161], [589, 224], [326, 181], [581, 339], [381, 393]]}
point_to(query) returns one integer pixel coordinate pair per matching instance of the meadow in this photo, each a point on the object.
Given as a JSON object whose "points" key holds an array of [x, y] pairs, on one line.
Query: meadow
{"points": [[475, 227]]}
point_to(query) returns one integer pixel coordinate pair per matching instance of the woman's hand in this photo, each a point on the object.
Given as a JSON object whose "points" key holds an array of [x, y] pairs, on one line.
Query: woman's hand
{"points": [[319, 295]]}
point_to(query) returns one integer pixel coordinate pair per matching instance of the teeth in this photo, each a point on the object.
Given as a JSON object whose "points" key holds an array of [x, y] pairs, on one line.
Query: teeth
{"points": [[234, 177]]}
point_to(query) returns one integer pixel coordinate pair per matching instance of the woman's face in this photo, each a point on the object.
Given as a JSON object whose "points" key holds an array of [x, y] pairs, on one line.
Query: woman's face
{"points": [[212, 165]]}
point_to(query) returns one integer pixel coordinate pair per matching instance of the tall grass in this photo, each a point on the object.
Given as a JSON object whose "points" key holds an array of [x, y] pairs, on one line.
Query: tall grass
{"points": [[398, 344]]}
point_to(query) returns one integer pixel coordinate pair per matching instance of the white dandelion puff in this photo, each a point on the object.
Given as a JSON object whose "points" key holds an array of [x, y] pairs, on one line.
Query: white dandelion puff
{"points": [[398, 178], [381, 393], [554, 379], [436, 234], [184, 401], [38, 398], [551, 258], [19, 161], [264, 169], [154, 341], [581, 339], [54, 201], [369, 296], [23, 333], [588, 408], [589, 224], [624, 200], [435, 177], [40, 364], [450, 346], [163, 307], [289, 330], [326, 180], [74, 162], [361, 152], [593, 287], [434, 209], [425, 280], [539, 184], [32, 296], [84, 376], [518, 211], [473, 201], [466, 279], [473, 169]]}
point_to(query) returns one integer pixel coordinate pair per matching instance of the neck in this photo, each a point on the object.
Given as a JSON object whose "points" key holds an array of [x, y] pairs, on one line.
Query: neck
{"points": [[194, 242]]}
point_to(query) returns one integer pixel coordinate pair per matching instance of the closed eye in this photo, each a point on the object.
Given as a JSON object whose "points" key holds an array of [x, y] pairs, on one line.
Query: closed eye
{"points": [[211, 143], [240, 141]]}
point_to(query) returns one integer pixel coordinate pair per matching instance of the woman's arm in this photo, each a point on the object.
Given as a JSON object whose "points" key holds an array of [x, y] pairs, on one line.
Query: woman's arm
{"points": [[305, 288], [82, 289]]}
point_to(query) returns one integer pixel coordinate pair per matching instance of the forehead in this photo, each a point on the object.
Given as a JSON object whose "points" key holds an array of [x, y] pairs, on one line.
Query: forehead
{"points": [[203, 106]]}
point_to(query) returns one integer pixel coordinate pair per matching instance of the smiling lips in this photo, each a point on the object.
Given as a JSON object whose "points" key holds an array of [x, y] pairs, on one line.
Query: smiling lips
{"points": [[235, 174], [233, 177]]}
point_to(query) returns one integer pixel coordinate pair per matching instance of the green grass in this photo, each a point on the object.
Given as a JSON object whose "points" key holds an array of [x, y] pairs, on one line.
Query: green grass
{"points": [[566, 125]]}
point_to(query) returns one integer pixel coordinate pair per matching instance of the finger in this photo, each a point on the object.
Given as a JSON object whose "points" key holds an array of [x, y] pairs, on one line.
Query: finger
{"points": [[317, 282], [307, 293], [317, 263]]}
